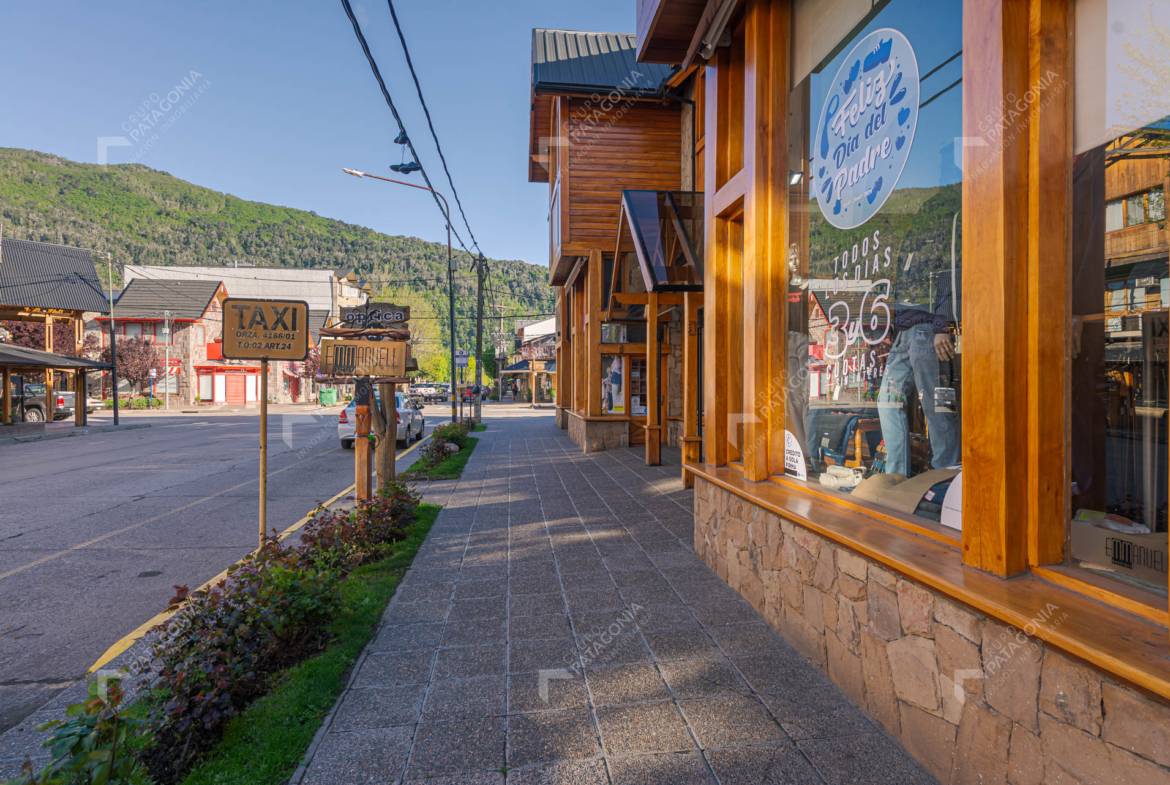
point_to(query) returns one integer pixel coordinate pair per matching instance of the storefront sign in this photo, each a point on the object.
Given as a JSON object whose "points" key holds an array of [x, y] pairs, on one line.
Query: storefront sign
{"points": [[265, 329], [866, 128], [794, 463], [345, 357], [375, 315]]}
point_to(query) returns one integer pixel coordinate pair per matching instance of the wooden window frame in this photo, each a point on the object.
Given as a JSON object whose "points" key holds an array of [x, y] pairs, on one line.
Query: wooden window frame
{"points": [[1016, 192]]}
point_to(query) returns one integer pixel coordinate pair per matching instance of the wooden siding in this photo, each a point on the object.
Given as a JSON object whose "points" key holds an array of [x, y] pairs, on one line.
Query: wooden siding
{"points": [[631, 146]]}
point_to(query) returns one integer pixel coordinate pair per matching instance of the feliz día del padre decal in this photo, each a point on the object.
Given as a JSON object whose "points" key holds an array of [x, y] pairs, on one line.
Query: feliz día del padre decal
{"points": [[866, 128]]}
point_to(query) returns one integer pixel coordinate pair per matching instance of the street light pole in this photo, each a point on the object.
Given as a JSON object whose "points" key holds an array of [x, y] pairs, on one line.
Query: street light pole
{"points": [[450, 266], [167, 360]]}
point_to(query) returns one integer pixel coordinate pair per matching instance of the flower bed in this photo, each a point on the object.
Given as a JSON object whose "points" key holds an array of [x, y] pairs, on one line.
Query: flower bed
{"points": [[224, 648], [445, 455]]}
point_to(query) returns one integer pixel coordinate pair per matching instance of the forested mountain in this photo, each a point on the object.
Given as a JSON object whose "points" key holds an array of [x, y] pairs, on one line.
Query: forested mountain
{"points": [[140, 215]]}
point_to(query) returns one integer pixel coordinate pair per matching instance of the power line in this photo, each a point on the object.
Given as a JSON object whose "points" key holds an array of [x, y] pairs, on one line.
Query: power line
{"points": [[357, 30], [430, 124]]}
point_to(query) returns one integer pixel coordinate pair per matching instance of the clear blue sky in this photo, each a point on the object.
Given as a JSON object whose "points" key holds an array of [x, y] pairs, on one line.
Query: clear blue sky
{"points": [[288, 99]]}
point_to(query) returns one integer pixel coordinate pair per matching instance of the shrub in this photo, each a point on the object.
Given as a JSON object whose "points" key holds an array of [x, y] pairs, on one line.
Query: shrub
{"points": [[348, 538], [454, 432], [215, 654], [94, 745]]}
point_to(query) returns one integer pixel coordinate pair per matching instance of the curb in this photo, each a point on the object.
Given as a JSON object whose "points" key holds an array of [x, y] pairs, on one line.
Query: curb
{"points": [[73, 432]]}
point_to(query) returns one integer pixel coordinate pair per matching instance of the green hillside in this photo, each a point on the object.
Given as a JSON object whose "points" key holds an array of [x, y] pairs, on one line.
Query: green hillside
{"points": [[143, 216]]}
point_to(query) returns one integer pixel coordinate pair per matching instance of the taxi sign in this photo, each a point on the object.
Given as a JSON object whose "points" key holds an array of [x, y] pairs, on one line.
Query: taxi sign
{"points": [[265, 329], [353, 357]]}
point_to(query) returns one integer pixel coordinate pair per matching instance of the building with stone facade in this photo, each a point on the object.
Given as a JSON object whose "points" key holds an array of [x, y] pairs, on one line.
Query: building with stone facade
{"points": [[931, 374]]}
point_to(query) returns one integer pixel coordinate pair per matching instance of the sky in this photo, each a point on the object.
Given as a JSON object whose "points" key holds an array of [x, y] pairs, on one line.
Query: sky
{"points": [[270, 99]]}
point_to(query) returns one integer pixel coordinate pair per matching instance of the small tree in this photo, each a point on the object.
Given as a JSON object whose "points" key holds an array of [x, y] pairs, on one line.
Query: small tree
{"points": [[312, 364], [136, 357]]}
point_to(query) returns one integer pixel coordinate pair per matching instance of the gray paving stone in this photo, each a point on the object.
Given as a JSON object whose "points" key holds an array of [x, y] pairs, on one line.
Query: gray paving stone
{"points": [[679, 644], [844, 720], [416, 612], [547, 625], [703, 677], [462, 778], [590, 772], [360, 757], [678, 768], [548, 736], [643, 727], [545, 654], [735, 639], [731, 720], [391, 668], [779, 765], [537, 604], [867, 759], [462, 662], [478, 609], [458, 746], [546, 690], [472, 632], [474, 589], [379, 707], [473, 698], [614, 685]]}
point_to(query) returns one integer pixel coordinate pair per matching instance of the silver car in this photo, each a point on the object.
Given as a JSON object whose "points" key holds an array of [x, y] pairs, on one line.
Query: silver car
{"points": [[411, 424]]}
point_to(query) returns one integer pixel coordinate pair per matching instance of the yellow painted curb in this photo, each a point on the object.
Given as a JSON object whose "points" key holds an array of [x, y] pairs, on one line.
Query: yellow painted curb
{"points": [[129, 640]]}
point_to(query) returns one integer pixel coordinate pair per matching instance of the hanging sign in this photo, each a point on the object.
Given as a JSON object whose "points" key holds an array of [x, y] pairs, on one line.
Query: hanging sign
{"points": [[375, 315], [355, 357], [265, 329], [866, 128]]}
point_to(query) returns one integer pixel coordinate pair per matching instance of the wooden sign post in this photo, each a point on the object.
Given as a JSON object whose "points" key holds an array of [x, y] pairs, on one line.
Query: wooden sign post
{"points": [[265, 330], [361, 441]]}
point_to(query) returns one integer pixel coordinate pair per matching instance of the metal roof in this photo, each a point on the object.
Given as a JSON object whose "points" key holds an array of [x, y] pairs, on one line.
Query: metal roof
{"points": [[574, 62], [147, 299], [13, 356], [279, 283], [45, 275], [317, 320]]}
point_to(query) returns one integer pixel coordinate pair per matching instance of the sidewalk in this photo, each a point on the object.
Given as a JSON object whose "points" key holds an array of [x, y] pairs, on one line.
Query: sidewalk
{"points": [[558, 629]]}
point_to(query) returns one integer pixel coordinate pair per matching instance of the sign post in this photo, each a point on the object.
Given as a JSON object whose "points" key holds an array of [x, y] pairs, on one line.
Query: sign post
{"points": [[361, 442], [265, 330]]}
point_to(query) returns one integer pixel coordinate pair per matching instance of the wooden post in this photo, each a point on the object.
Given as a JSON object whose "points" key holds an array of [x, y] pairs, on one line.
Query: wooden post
{"points": [[80, 416], [361, 441], [263, 516], [50, 394], [653, 364], [690, 383], [6, 403], [592, 341]]}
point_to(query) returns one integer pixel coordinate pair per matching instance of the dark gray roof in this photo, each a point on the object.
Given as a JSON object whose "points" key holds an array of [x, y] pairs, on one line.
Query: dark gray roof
{"points": [[144, 298], [571, 62], [44, 275], [13, 356]]}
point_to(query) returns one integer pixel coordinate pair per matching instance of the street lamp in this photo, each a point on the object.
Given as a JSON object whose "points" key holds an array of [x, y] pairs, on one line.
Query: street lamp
{"points": [[450, 268]]}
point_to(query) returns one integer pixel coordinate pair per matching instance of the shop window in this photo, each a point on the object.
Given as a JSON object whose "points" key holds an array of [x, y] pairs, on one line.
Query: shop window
{"points": [[875, 331], [638, 387], [613, 384], [623, 332], [1119, 348], [132, 329], [1114, 215], [1135, 210], [205, 387]]}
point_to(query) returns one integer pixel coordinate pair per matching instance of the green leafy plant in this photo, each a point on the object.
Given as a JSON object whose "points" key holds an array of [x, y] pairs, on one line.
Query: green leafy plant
{"points": [[94, 744]]}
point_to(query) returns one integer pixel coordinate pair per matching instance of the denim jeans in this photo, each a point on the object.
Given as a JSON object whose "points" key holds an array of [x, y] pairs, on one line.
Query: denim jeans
{"points": [[912, 364]]}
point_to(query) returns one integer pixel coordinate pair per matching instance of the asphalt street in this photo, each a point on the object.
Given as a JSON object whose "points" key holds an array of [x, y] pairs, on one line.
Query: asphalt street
{"points": [[95, 531]]}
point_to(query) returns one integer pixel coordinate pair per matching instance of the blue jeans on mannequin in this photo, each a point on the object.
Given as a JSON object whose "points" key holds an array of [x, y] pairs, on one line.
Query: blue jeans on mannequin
{"points": [[913, 365]]}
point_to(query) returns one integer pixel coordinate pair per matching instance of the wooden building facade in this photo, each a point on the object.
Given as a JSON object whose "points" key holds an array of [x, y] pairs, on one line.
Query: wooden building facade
{"points": [[927, 355]]}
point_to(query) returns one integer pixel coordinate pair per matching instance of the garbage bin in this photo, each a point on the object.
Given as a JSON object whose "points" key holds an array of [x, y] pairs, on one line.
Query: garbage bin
{"points": [[328, 396]]}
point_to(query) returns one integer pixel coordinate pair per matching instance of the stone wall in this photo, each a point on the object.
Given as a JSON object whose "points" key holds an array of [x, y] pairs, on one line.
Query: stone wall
{"points": [[973, 699], [598, 435], [562, 418]]}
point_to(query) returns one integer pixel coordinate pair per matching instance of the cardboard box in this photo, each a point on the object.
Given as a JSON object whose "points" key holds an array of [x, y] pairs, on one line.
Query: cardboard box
{"points": [[1139, 556]]}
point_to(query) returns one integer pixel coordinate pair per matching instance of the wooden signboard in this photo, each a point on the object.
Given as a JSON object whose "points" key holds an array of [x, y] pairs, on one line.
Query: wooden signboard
{"points": [[265, 329], [354, 357], [375, 315]]}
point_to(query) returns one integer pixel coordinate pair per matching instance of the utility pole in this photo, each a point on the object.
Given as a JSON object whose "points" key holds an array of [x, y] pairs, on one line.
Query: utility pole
{"points": [[480, 272], [167, 360]]}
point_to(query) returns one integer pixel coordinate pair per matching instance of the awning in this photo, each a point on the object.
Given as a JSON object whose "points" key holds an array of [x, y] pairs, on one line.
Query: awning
{"points": [[663, 231], [12, 356]]}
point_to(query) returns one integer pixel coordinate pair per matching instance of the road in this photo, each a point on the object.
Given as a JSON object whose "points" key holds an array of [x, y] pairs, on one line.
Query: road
{"points": [[95, 531]]}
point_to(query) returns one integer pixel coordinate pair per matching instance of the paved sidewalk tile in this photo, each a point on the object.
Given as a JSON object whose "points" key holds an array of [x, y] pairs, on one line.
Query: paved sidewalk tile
{"points": [[556, 628]]}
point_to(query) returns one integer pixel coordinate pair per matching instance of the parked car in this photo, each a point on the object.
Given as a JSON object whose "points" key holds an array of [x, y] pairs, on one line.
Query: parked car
{"points": [[473, 392], [432, 392], [28, 402], [411, 424]]}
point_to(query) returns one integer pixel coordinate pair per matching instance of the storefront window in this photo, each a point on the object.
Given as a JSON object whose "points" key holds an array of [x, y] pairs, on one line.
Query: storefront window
{"points": [[1120, 288], [874, 342], [638, 386], [613, 384]]}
